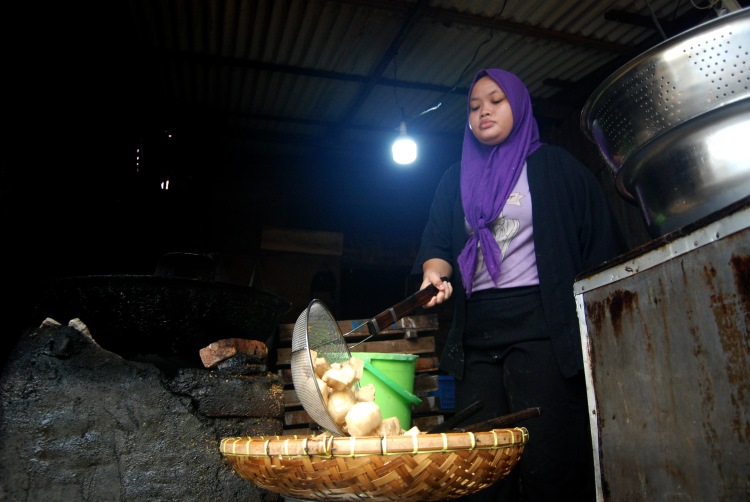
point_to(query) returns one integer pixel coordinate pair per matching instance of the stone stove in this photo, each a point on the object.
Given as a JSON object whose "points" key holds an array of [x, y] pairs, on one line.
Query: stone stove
{"points": [[82, 423]]}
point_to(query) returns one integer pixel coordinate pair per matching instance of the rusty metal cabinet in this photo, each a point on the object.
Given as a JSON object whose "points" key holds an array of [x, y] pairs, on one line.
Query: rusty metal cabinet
{"points": [[664, 331]]}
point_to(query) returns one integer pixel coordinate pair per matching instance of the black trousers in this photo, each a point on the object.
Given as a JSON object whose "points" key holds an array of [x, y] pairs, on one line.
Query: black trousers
{"points": [[511, 366]]}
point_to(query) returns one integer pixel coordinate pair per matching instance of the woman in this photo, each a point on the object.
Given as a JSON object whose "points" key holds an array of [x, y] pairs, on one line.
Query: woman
{"points": [[517, 220]]}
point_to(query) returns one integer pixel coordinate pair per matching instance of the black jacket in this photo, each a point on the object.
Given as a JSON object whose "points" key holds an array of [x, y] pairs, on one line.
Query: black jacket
{"points": [[574, 230]]}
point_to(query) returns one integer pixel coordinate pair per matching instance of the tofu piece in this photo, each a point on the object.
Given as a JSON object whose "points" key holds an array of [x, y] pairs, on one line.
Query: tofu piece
{"points": [[363, 418], [414, 431], [366, 393], [339, 377], [389, 427], [359, 367], [320, 365]]}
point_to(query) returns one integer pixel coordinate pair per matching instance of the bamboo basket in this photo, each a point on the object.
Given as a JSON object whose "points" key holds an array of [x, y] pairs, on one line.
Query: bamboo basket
{"points": [[423, 467]]}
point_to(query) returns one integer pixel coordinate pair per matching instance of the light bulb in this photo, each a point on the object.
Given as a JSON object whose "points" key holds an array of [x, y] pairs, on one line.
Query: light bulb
{"points": [[404, 149]]}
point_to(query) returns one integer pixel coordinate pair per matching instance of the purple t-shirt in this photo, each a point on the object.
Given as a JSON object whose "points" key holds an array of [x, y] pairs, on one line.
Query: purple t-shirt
{"points": [[514, 233]]}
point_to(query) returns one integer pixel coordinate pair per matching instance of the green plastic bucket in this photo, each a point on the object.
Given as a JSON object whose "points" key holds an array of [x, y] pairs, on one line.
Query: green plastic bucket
{"points": [[393, 378]]}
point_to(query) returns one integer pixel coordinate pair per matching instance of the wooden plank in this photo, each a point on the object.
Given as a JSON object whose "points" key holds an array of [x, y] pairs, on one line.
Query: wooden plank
{"points": [[421, 345], [300, 432], [290, 399], [426, 364], [286, 375], [418, 324], [297, 417], [302, 241], [284, 356], [427, 422], [429, 405], [426, 383]]}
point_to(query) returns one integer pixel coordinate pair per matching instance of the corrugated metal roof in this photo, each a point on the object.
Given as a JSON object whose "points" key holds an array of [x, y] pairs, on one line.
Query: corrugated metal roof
{"points": [[302, 66], [284, 85], [279, 77]]}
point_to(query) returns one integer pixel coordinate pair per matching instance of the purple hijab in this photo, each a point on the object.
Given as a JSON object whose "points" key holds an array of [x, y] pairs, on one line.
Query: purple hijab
{"points": [[489, 173]]}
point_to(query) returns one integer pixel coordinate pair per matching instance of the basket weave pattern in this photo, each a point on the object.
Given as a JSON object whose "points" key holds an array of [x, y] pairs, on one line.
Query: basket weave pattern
{"points": [[422, 468]]}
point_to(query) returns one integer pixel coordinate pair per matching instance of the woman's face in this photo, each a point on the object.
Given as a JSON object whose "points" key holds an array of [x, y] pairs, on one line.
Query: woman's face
{"points": [[490, 116]]}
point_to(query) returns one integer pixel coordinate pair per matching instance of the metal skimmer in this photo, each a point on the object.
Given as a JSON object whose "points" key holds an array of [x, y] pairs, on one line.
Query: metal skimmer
{"points": [[317, 330]]}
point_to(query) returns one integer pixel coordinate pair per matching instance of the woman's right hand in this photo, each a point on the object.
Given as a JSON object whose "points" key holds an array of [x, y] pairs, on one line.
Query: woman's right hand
{"points": [[433, 272]]}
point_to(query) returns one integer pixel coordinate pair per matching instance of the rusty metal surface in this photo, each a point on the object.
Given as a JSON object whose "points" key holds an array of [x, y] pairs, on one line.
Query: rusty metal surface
{"points": [[667, 357]]}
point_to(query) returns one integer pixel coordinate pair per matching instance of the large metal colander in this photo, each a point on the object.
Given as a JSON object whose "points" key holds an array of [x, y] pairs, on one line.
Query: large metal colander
{"points": [[317, 330], [693, 73], [672, 123]]}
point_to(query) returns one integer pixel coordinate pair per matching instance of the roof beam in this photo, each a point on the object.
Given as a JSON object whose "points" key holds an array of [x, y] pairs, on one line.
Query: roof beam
{"points": [[377, 73], [289, 69], [450, 16]]}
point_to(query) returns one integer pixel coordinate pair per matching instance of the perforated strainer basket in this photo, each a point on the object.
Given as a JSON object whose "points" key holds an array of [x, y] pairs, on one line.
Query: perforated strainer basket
{"points": [[672, 124], [317, 330], [698, 71]]}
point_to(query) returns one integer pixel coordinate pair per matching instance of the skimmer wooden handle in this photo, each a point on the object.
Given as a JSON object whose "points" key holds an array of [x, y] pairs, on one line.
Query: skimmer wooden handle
{"points": [[401, 309]]}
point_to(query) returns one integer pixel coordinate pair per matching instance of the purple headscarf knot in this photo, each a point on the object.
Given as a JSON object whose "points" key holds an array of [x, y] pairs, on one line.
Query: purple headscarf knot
{"points": [[489, 174]]}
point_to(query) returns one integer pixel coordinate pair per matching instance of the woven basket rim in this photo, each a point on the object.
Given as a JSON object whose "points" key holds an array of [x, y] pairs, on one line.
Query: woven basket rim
{"points": [[294, 446]]}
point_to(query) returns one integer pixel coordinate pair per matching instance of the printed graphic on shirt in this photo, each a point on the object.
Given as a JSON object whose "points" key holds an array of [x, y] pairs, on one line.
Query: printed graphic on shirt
{"points": [[514, 199], [504, 229]]}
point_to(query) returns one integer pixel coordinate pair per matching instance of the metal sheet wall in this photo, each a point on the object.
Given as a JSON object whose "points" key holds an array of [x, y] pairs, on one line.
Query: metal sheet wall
{"points": [[667, 355]]}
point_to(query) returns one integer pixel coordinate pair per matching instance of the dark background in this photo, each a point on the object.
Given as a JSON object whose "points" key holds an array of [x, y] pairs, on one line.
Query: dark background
{"points": [[83, 103]]}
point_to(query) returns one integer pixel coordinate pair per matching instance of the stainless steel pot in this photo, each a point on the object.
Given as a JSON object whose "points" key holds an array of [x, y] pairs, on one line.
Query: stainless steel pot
{"points": [[673, 123]]}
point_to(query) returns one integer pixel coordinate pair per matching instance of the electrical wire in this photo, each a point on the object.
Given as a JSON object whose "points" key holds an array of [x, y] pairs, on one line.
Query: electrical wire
{"points": [[676, 9], [461, 75], [395, 91], [655, 19], [711, 4]]}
